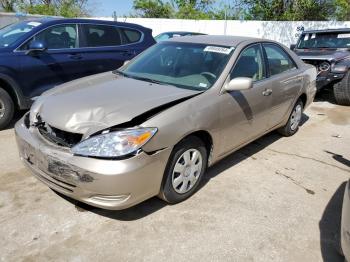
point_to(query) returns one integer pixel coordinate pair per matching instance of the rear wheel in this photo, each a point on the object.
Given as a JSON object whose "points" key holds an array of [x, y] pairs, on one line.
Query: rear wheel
{"points": [[341, 91], [294, 120], [185, 169], [7, 109]]}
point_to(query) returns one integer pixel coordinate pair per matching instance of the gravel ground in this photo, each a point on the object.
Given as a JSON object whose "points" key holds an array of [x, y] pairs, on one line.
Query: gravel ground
{"points": [[277, 199]]}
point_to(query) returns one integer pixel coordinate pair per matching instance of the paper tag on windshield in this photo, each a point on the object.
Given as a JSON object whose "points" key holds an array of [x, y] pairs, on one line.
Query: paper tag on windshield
{"points": [[218, 49], [34, 23], [344, 36]]}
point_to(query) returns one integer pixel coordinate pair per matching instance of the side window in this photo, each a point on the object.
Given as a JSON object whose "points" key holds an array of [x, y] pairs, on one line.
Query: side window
{"points": [[57, 37], [250, 64], [278, 60], [100, 35], [131, 36]]}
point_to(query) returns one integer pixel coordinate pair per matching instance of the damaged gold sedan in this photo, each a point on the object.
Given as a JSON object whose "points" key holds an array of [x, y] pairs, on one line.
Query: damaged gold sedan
{"points": [[153, 127]]}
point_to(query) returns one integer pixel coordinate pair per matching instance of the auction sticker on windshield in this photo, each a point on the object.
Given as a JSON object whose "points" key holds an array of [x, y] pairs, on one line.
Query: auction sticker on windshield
{"points": [[218, 49], [33, 23], [344, 36]]}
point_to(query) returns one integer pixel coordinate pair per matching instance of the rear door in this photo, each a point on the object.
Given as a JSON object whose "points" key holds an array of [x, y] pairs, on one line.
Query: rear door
{"points": [[245, 113], [60, 63], [107, 47], [285, 81]]}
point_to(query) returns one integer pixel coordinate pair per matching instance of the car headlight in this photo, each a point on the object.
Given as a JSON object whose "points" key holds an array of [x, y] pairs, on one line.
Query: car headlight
{"points": [[115, 143]]}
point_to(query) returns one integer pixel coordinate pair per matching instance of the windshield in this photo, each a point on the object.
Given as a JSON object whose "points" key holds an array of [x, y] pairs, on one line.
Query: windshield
{"points": [[324, 40], [11, 33], [185, 65]]}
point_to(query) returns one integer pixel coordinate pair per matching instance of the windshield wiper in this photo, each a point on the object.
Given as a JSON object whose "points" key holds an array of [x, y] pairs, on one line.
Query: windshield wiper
{"points": [[146, 79]]}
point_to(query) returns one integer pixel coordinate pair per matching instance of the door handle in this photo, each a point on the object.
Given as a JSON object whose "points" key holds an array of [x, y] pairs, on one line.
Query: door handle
{"points": [[75, 56], [267, 92]]}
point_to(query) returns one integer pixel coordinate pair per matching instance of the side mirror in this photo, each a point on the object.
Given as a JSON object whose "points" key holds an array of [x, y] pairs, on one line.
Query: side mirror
{"points": [[36, 47], [126, 62], [239, 83], [292, 47]]}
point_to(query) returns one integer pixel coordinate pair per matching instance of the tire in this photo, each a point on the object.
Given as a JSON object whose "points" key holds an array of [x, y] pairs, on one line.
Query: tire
{"points": [[294, 120], [7, 109], [341, 91], [178, 186]]}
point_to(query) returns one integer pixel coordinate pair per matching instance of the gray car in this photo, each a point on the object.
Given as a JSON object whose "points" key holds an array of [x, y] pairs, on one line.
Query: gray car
{"points": [[153, 127]]}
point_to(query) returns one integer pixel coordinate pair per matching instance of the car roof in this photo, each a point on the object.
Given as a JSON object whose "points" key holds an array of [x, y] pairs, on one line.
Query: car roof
{"points": [[57, 20], [215, 40], [333, 30], [181, 32]]}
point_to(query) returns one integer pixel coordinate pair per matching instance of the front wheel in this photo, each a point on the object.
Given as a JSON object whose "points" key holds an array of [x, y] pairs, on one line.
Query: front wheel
{"points": [[341, 91], [7, 109], [294, 120], [185, 169]]}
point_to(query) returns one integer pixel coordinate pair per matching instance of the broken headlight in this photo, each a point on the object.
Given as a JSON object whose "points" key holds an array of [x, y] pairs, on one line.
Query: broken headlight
{"points": [[114, 144]]}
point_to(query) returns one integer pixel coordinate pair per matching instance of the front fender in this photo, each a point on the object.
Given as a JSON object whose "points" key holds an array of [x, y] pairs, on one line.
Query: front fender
{"points": [[199, 113], [8, 77]]}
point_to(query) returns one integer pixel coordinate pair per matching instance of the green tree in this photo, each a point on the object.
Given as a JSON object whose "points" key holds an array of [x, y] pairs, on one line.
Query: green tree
{"points": [[194, 9], [297, 10], [8, 5], [342, 10], [153, 9], [65, 8]]}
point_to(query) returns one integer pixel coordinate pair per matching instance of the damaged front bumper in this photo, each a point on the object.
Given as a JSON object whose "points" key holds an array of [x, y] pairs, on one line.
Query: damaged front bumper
{"points": [[345, 223], [108, 184], [329, 79]]}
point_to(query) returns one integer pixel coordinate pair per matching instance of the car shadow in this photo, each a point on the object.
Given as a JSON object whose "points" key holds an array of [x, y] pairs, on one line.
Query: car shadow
{"points": [[330, 227], [154, 204]]}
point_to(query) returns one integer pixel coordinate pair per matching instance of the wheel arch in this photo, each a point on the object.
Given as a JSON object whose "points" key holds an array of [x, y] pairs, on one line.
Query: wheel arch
{"points": [[303, 98], [12, 88], [205, 137]]}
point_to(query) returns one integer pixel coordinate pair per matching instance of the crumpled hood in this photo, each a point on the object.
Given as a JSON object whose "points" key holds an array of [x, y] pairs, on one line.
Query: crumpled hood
{"points": [[317, 54], [101, 101]]}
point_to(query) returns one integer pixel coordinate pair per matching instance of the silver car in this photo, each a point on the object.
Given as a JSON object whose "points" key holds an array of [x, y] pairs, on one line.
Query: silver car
{"points": [[153, 127]]}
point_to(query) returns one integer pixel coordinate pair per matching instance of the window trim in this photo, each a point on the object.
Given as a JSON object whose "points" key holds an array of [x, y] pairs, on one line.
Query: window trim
{"points": [[17, 49], [113, 46], [263, 61], [267, 60]]}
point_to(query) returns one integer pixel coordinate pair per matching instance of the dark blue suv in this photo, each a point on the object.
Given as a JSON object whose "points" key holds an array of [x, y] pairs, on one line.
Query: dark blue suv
{"points": [[40, 54]]}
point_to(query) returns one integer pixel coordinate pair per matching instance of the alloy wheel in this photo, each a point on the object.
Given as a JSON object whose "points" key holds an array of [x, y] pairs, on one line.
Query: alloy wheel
{"points": [[296, 117], [2, 108]]}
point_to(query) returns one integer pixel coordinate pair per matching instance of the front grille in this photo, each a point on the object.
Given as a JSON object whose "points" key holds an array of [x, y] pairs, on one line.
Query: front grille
{"points": [[59, 137]]}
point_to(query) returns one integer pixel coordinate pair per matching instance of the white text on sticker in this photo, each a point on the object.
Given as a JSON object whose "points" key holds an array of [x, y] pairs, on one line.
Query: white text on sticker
{"points": [[218, 49]]}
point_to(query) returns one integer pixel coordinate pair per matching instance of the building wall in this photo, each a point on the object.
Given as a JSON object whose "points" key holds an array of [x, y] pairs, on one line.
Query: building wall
{"points": [[283, 32]]}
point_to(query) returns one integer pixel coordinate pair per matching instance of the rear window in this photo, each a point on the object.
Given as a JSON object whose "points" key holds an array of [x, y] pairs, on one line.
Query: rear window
{"points": [[100, 35], [132, 36]]}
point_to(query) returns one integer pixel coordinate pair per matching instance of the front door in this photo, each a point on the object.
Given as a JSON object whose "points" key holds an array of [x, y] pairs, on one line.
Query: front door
{"points": [[61, 62], [244, 114]]}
